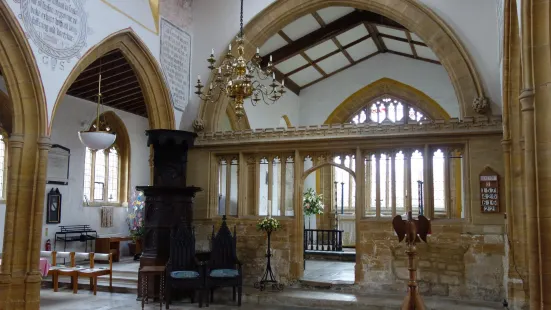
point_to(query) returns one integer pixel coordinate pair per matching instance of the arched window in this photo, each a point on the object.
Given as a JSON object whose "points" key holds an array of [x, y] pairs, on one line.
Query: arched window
{"points": [[106, 171], [389, 109]]}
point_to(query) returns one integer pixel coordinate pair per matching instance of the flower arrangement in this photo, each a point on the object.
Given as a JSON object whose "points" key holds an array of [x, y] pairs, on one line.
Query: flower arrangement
{"points": [[312, 203], [268, 224], [135, 216]]}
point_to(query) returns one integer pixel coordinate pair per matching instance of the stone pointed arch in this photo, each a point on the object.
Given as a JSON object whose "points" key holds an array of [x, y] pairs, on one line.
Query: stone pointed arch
{"points": [[27, 151], [146, 68], [385, 86], [411, 14]]}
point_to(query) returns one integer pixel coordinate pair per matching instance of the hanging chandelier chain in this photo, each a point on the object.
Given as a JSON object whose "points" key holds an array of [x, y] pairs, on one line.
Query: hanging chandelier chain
{"points": [[241, 21], [239, 78]]}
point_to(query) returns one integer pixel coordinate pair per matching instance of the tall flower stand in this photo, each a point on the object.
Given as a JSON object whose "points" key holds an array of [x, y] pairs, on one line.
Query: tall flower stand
{"points": [[268, 277]]}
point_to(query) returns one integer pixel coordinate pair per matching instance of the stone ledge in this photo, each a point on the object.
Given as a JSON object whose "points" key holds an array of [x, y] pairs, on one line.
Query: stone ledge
{"points": [[454, 126]]}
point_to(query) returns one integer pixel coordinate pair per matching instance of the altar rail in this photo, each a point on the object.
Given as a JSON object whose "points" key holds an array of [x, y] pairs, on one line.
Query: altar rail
{"points": [[322, 240], [453, 126]]}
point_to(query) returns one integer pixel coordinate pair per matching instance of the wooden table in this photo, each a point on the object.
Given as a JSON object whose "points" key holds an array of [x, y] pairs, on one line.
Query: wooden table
{"points": [[147, 271], [110, 245]]}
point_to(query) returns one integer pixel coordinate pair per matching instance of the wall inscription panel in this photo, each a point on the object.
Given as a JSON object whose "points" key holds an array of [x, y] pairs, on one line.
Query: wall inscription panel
{"points": [[175, 62], [57, 27], [489, 191]]}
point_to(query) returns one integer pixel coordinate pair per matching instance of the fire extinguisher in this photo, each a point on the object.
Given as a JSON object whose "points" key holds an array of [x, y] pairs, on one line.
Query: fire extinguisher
{"points": [[48, 245]]}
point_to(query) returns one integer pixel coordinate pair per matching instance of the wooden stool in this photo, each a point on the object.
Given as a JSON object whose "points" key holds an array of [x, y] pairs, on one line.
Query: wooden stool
{"points": [[147, 271]]}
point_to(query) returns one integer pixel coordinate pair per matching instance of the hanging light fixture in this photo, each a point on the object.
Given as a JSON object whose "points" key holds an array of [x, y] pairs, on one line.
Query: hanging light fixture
{"points": [[99, 136], [238, 78]]}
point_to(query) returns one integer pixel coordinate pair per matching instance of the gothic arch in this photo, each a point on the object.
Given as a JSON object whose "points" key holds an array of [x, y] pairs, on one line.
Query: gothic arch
{"points": [[379, 88], [28, 150], [411, 14], [157, 97], [306, 173]]}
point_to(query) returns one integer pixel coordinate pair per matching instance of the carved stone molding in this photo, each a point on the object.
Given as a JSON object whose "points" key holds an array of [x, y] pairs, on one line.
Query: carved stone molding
{"points": [[481, 105], [454, 126], [198, 125]]}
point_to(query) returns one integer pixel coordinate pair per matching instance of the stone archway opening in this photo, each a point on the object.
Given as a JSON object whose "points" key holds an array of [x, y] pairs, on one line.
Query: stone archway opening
{"points": [[329, 245], [431, 29], [27, 149]]}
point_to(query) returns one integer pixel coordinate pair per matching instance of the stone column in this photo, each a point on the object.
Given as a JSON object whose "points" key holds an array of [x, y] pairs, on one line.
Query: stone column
{"points": [[407, 178], [19, 276], [360, 211], [530, 178], [536, 107]]}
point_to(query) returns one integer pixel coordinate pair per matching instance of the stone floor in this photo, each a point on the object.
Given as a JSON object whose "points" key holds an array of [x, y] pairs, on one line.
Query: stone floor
{"points": [[323, 271], [107, 301]]}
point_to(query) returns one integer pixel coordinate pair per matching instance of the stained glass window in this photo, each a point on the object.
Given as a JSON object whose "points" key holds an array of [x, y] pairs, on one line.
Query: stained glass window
{"points": [[388, 109]]}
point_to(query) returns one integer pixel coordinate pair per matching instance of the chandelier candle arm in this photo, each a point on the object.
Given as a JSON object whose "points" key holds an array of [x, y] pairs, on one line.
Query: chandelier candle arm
{"points": [[239, 78]]}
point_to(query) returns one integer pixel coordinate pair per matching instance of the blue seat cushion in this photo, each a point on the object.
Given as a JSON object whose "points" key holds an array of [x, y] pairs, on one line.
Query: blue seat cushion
{"points": [[224, 273], [184, 274]]}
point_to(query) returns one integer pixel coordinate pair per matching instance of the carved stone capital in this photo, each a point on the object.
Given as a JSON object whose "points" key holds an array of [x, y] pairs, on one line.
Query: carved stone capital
{"points": [[481, 105], [198, 125]]}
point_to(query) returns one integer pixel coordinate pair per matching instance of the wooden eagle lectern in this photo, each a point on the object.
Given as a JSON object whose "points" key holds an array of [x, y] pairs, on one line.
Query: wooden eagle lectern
{"points": [[413, 231]]}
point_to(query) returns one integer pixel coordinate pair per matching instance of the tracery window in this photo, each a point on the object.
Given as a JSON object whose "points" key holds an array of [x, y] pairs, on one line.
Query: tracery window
{"points": [[102, 175], [397, 181], [275, 179], [344, 184], [228, 167], [389, 109]]}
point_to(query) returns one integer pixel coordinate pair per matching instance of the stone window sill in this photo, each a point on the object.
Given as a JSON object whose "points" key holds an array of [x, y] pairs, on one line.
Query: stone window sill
{"points": [[105, 204]]}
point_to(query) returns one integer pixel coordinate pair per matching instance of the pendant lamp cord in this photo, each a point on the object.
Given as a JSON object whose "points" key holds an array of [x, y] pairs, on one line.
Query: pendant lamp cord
{"points": [[241, 30]]}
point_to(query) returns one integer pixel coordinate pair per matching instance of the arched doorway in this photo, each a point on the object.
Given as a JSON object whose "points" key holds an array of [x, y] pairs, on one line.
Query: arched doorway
{"points": [[420, 20], [28, 149], [329, 239]]}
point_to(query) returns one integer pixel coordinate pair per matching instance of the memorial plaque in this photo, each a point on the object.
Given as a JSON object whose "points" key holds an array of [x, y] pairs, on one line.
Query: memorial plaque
{"points": [[57, 27], [175, 61], [489, 191]]}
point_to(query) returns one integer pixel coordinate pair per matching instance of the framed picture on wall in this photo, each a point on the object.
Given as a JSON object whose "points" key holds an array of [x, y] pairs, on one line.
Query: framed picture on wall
{"points": [[53, 213]]}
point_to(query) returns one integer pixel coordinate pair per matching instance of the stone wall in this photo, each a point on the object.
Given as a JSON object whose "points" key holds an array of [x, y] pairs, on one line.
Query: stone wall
{"points": [[459, 260], [464, 258]]}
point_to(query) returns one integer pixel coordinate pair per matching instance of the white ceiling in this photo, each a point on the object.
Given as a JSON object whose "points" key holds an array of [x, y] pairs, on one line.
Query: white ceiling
{"points": [[337, 53]]}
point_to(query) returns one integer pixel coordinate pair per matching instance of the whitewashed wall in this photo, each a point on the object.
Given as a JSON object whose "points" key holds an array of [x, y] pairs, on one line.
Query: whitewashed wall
{"points": [[66, 124], [318, 101]]}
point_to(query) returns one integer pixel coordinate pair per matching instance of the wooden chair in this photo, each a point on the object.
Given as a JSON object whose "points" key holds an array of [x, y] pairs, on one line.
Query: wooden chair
{"points": [[57, 265], [224, 268], [94, 272], [71, 271], [183, 270]]}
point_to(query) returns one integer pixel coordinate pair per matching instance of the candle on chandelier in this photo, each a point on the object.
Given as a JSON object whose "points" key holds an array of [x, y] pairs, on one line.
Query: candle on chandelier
{"points": [[270, 58], [230, 47], [257, 50], [198, 78], [210, 87], [212, 52], [282, 82], [269, 208], [273, 76], [219, 70]]}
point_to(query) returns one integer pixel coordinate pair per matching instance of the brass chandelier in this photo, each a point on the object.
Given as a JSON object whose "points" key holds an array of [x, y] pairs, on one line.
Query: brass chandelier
{"points": [[240, 79]]}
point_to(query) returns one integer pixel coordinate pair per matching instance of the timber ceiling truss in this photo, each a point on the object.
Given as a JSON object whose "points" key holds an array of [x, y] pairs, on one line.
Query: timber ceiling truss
{"points": [[324, 43], [120, 87]]}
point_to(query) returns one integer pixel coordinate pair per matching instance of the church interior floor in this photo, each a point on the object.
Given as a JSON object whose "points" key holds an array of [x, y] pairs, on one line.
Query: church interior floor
{"points": [[325, 271]]}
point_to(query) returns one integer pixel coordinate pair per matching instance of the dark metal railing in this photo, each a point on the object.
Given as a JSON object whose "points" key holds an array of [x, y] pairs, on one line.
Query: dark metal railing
{"points": [[323, 240]]}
